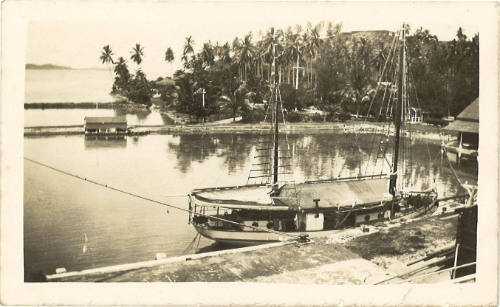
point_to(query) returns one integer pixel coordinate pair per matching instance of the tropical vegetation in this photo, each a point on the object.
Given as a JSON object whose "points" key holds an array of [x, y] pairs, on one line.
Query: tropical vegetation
{"points": [[317, 65]]}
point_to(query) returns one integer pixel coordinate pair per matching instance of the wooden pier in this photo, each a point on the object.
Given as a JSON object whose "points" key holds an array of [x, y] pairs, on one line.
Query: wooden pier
{"points": [[353, 256]]}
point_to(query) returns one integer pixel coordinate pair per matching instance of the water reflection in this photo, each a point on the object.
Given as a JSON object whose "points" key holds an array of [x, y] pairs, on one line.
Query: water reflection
{"points": [[234, 149], [325, 156], [93, 142], [123, 229]]}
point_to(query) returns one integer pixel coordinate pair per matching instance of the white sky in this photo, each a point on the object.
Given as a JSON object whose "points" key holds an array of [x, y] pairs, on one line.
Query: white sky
{"points": [[76, 38]]}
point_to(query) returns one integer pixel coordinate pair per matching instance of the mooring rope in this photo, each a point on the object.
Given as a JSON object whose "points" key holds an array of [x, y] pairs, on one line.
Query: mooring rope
{"points": [[157, 201]]}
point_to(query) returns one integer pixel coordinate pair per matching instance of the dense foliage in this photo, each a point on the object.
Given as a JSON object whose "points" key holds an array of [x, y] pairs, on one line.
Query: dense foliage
{"points": [[136, 88], [334, 71]]}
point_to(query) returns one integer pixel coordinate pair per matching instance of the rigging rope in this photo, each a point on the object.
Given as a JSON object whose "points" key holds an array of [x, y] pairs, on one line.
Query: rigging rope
{"points": [[390, 59], [153, 200]]}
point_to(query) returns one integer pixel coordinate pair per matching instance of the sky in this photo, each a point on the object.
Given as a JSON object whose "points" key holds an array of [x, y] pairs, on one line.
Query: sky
{"points": [[76, 39]]}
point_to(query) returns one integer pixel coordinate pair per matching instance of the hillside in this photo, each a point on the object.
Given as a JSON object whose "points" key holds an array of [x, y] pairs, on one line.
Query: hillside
{"points": [[46, 66]]}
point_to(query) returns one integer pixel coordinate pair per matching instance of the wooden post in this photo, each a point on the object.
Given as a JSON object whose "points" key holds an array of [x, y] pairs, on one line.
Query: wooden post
{"points": [[297, 73]]}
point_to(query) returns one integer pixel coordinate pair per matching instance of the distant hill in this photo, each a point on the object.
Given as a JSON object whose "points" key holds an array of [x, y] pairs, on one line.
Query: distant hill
{"points": [[46, 66]]}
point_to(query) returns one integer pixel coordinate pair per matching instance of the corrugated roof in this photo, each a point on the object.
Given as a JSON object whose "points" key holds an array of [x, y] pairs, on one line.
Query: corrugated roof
{"points": [[339, 193], [106, 120]]}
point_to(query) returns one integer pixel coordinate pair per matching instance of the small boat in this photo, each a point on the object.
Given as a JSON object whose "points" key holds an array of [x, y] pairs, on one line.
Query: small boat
{"points": [[276, 209]]}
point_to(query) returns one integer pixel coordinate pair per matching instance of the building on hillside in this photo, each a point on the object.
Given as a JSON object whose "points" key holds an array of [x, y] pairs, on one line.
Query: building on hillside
{"points": [[466, 125], [105, 125]]}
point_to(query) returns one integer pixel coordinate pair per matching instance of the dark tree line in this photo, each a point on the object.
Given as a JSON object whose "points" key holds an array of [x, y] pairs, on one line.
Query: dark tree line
{"points": [[317, 66]]}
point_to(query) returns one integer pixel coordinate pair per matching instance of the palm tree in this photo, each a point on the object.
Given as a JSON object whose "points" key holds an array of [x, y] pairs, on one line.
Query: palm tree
{"points": [[238, 100], [122, 77], [246, 54], [107, 55], [208, 54], [272, 37], [188, 49], [169, 55], [360, 71], [313, 44], [293, 51], [137, 54]]}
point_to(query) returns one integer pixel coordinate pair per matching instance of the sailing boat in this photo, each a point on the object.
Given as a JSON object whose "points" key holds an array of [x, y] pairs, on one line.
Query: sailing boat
{"points": [[269, 211]]}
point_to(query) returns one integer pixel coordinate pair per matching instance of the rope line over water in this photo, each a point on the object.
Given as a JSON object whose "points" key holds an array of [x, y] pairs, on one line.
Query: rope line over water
{"points": [[156, 201]]}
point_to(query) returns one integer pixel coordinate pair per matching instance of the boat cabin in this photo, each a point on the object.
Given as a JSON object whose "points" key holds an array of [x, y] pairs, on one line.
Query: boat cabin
{"points": [[105, 125]]}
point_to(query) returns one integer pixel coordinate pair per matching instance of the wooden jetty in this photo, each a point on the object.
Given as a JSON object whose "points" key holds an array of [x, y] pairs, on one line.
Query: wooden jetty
{"points": [[362, 255]]}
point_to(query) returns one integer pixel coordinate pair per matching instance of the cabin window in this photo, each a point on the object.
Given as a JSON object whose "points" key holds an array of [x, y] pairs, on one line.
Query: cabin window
{"points": [[255, 224], [367, 218], [270, 225]]}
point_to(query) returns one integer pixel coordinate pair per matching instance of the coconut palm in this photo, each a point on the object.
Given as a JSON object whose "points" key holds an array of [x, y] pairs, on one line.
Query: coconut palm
{"points": [[137, 54], [169, 55], [245, 53], [293, 51], [238, 100], [272, 38], [360, 70], [122, 77], [188, 49], [208, 54], [107, 55]]}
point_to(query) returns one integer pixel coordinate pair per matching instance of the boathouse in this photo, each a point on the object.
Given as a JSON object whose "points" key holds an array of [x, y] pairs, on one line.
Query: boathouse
{"points": [[466, 126], [105, 125]]}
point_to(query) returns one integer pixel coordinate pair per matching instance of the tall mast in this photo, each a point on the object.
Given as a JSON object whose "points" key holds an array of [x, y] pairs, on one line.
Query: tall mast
{"points": [[275, 117], [398, 117]]}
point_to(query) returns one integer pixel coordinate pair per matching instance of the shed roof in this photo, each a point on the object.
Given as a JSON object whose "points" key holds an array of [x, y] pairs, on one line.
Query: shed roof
{"points": [[467, 120], [105, 120], [463, 126], [471, 112]]}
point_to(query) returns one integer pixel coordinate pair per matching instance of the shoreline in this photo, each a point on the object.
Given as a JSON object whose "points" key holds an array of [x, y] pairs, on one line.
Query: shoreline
{"points": [[70, 105], [418, 131]]}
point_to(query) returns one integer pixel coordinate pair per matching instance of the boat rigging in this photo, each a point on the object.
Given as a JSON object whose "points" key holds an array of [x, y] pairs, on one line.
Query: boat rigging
{"points": [[318, 205]]}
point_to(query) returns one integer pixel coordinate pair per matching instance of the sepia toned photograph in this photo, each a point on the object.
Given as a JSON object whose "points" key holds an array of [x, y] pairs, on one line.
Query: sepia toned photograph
{"points": [[256, 143]]}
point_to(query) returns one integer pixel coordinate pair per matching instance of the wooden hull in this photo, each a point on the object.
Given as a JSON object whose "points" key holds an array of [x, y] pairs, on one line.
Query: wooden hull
{"points": [[249, 238], [239, 238]]}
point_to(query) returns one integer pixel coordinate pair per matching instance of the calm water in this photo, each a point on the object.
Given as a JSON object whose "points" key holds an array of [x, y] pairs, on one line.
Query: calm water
{"points": [[61, 117], [60, 211], [74, 86], [68, 85]]}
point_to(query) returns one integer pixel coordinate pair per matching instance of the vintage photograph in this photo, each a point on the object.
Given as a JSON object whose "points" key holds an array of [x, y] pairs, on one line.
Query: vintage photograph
{"points": [[253, 142]]}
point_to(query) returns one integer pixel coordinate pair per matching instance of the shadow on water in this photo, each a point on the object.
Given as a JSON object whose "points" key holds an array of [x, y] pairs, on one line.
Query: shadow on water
{"points": [[215, 247]]}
